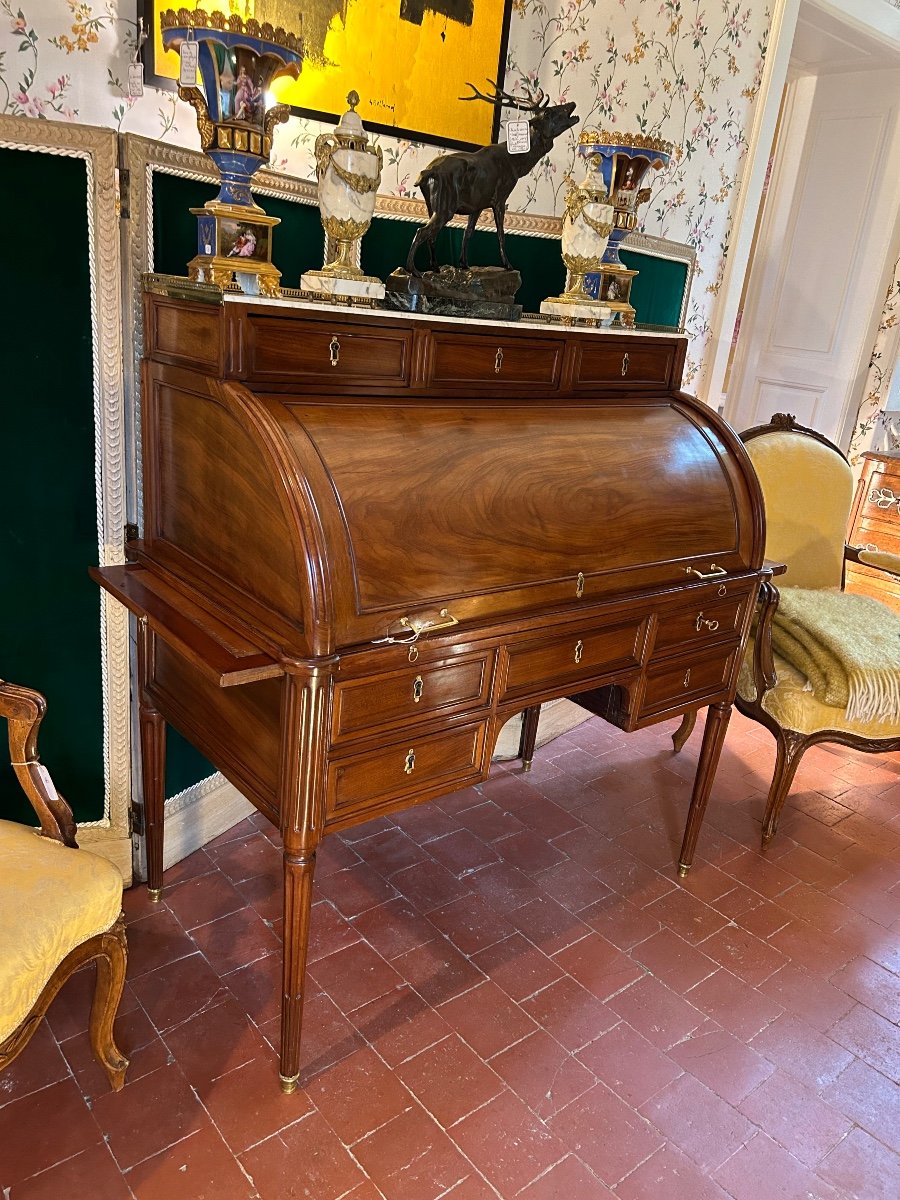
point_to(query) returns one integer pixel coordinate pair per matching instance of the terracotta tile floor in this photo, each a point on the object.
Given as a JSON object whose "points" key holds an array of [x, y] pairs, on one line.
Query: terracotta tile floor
{"points": [[510, 994]]}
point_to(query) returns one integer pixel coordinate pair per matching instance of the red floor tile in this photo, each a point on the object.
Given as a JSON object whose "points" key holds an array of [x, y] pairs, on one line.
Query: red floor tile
{"points": [[92, 1172], [518, 951], [542, 1074], [487, 1019], [728, 1067], [786, 1178], [450, 1080], [669, 1175], [794, 1116], [629, 1065], [870, 1099], [43, 1129], [149, 1115], [567, 1179], [247, 1105], [507, 1143], [328, 1170], [607, 1134], [411, 1158], [358, 1095], [702, 1125], [199, 1168]]}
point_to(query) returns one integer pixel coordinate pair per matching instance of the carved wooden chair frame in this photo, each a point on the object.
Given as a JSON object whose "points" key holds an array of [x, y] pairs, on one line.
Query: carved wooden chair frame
{"points": [[790, 744], [24, 710]]}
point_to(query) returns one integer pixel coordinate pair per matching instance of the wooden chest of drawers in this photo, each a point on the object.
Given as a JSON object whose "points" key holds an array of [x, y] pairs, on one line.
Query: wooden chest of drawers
{"points": [[370, 540], [875, 525]]}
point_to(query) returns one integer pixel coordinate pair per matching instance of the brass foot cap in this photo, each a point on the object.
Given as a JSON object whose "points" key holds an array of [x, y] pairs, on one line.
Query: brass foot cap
{"points": [[288, 1086], [154, 894], [683, 869], [526, 766]]}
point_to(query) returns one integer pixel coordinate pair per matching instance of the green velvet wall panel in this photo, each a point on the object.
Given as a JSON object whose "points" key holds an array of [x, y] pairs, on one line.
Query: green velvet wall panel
{"points": [[48, 510]]}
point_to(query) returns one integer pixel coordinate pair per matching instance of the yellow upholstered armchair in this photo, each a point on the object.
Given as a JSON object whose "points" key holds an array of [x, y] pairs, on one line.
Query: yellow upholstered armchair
{"points": [[60, 906], [807, 486]]}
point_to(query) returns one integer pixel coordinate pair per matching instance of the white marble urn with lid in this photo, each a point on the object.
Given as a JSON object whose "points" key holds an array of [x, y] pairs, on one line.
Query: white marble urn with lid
{"points": [[349, 172], [586, 227]]}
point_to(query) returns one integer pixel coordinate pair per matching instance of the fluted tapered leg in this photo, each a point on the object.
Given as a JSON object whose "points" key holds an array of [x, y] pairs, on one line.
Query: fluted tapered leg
{"points": [[153, 762], [298, 884], [717, 718]]}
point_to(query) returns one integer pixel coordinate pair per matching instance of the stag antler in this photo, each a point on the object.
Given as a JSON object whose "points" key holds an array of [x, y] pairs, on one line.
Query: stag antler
{"points": [[530, 104]]}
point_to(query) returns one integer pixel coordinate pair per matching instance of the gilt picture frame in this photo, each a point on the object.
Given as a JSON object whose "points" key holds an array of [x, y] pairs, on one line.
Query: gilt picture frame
{"points": [[409, 60]]}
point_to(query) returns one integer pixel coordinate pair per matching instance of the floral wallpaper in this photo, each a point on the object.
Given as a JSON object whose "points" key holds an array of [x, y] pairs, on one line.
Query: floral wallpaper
{"points": [[684, 70], [871, 429]]}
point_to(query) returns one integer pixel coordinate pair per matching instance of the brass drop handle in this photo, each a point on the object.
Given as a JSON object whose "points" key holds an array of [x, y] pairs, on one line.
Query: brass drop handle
{"points": [[410, 765], [624, 365], [414, 627], [418, 689], [701, 621], [334, 349], [713, 573], [420, 625], [498, 360], [579, 650], [723, 590], [687, 678]]}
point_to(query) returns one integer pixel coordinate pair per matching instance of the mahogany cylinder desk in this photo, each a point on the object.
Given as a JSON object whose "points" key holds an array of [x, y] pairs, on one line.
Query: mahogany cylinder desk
{"points": [[371, 539]]}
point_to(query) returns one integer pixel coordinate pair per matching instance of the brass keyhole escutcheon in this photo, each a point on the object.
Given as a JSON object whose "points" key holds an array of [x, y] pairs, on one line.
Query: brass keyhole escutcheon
{"points": [[498, 360], [334, 349], [579, 585], [723, 590], [687, 678], [418, 689], [579, 650], [410, 765], [624, 365]]}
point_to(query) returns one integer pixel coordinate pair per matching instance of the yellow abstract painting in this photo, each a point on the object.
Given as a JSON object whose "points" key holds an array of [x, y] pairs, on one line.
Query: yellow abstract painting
{"points": [[409, 60]]}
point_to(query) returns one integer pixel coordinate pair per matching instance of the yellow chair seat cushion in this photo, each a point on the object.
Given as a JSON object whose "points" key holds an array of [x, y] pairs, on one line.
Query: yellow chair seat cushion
{"points": [[52, 898], [793, 706]]}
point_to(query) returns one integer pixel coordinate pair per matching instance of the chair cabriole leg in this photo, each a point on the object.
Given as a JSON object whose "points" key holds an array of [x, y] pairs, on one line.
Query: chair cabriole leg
{"points": [[684, 730], [791, 747], [111, 963]]}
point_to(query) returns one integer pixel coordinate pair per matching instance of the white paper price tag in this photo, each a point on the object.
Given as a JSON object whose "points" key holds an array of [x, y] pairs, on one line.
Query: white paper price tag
{"points": [[135, 79], [518, 137], [187, 68]]}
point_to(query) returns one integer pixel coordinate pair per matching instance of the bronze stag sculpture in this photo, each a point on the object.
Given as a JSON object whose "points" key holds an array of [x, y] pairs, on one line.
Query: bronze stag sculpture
{"points": [[469, 181]]}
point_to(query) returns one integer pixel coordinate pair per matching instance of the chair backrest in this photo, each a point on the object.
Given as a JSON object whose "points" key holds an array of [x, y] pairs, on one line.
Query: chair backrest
{"points": [[807, 486]]}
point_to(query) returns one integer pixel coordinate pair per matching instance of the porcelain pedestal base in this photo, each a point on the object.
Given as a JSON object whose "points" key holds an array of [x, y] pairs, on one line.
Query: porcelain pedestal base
{"points": [[366, 287], [580, 309]]}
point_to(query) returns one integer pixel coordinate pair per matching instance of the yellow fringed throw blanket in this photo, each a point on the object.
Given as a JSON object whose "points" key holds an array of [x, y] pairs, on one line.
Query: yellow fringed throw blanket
{"points": [[847, 646]]}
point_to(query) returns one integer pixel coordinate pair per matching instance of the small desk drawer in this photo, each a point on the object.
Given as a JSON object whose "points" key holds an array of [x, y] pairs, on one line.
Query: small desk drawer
{"points": [[580, 655], [624, 365], [456, 359], [678, 681], [443, 762], [328, 353], [365, 705], [709, 618]]}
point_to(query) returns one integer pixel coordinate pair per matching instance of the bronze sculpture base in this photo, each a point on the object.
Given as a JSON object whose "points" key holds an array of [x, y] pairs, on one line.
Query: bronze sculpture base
{"points": [[485, 292]]}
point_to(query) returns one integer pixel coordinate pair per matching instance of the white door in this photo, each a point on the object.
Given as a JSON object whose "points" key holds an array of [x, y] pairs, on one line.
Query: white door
{"points": [[827, 240]]}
